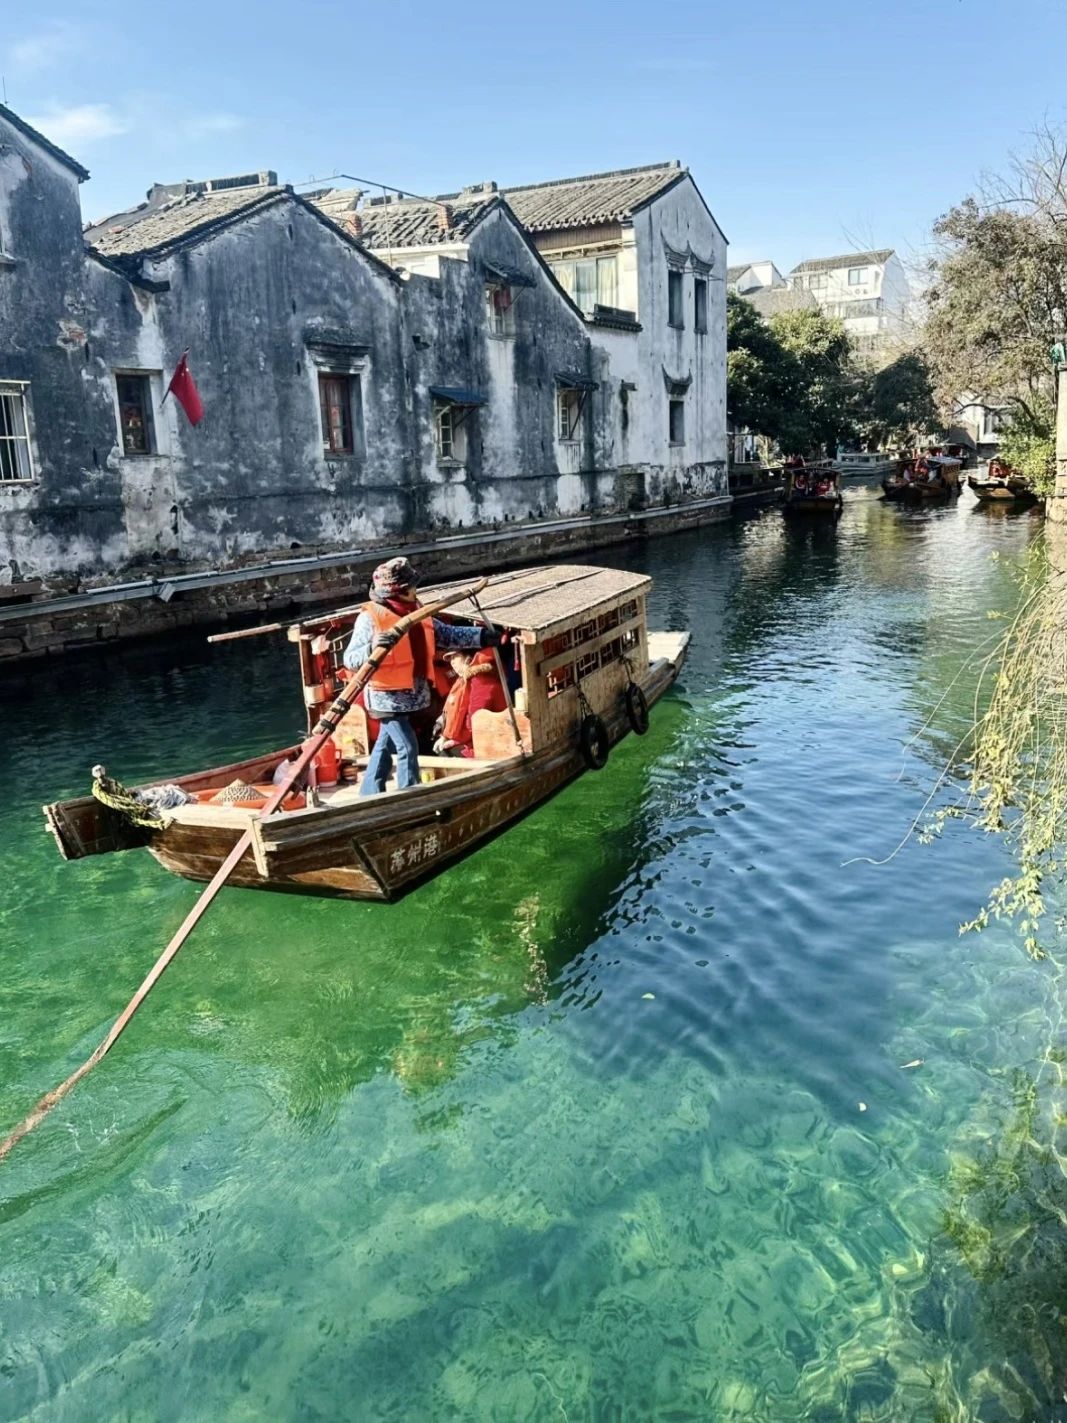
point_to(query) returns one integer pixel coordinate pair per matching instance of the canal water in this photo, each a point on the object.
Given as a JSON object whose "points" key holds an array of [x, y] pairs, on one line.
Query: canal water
{"points": [[613, 1122]]}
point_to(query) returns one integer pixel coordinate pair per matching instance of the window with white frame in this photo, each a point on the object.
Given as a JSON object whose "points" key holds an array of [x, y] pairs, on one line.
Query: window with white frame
{"points": [[500, 306], [589, 281], [16, 463], [675, 298], [569, 415], [450, 432], [857, 276], [817, 281]]}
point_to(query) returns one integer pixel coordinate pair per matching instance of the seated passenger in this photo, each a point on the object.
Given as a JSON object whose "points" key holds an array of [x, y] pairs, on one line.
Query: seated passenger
{"points": [[477, 687]]}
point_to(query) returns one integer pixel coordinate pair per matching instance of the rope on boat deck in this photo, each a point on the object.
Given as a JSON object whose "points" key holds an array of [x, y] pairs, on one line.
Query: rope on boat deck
{"points": [[114, 794]]}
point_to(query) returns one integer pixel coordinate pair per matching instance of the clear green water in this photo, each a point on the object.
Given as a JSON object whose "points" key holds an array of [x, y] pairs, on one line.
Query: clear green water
{"points": [[573, 1132]]}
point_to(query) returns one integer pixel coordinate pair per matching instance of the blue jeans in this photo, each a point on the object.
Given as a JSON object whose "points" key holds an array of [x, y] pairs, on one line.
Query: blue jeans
{"points": [[397, 735]]}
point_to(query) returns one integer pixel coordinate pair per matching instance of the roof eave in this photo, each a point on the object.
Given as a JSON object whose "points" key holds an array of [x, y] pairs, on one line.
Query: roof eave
{"points": [[81, 173]]}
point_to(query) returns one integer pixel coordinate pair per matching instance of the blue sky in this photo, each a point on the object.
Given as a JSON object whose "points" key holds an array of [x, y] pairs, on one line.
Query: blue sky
{"points": [[811, 128]]}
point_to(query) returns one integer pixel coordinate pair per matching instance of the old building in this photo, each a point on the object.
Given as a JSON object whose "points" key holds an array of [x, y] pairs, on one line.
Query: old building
{"points": [[641, 256], [372, 373]]}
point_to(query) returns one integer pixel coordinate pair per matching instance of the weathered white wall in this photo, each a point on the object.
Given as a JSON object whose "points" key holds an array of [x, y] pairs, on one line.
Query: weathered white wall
{"points": [[680, 220]]}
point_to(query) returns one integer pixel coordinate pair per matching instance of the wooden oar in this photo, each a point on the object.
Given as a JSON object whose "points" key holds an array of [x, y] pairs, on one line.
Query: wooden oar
{"points": [[327, 725]]}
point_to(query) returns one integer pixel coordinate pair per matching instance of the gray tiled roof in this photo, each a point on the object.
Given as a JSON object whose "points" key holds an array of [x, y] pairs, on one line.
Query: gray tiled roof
{"points": [[153, 229], [596, 198], [732, 273], [772, 300], [405, 222], [45, 143], [541, 207], [847, 259]]}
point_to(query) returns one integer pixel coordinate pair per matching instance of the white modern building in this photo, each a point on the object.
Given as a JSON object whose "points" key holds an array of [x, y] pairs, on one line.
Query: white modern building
{"points": [[868, 291], [747, 278]]}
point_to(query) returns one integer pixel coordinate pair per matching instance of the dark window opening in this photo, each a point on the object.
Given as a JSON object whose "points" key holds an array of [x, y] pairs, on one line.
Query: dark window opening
{"points": [[676, 421], [675, 292], [338, 398], [700, 304], [135, 414]]}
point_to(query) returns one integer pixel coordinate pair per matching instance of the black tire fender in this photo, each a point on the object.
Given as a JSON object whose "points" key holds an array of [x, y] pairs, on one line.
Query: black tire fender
{"points": [[637, 708], [594, 743]]}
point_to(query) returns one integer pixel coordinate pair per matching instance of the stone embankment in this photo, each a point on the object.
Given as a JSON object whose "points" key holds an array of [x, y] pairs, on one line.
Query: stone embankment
{"points": [[97, 618]]}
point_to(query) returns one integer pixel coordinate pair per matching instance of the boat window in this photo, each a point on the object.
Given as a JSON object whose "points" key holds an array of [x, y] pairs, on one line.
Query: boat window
{"points": [[559, 680], [588, 663], [560, 642]]}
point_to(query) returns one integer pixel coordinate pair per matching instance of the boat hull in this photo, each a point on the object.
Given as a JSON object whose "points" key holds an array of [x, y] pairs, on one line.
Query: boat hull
{"points": [[919, 492], [369, 848], [814, 505], [996, 492]]}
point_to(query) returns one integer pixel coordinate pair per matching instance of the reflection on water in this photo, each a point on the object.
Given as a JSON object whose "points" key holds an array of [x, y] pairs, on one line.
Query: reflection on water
{"points": [[610, 1122]]}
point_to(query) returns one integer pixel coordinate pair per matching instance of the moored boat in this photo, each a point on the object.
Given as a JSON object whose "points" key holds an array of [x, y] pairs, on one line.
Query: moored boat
{"points": [[585, 671], [858, 464], [1002, 485]]}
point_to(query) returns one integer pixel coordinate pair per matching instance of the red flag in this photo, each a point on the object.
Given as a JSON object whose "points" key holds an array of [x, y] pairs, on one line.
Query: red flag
{"points": [[183, 388]]}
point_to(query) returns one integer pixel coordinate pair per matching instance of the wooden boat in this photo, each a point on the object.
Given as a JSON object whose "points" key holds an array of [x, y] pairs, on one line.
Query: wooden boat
{"points": [[587, 669], [1002, 486], [813, 489], [932, 478]]}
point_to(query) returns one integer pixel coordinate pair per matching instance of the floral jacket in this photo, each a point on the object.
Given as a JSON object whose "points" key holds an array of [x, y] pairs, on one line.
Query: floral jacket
{"points": [[386, 704]]}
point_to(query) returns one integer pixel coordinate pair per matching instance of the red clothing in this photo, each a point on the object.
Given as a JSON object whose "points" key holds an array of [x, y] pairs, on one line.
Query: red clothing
{"points": [[480, 690]]}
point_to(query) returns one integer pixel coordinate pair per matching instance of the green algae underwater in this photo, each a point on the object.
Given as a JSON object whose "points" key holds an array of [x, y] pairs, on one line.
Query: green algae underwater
{"points": [[612, 1121]]}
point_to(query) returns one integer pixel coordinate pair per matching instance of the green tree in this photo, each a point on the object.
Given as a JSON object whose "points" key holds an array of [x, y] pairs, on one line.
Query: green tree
{"points": [[763, 380], [791, 379], [828, 399], [996, 305], [897, 402]]}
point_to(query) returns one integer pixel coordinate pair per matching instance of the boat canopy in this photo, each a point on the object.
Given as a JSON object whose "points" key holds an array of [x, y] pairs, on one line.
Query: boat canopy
{"points": [[536, 600]]}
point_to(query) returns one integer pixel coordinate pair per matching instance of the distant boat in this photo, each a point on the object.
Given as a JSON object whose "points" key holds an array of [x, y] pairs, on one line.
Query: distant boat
{"points": [[855, 464], [813, 489], [930, 478]]}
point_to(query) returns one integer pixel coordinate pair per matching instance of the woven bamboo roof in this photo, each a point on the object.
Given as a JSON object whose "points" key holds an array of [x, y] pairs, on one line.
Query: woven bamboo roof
{"points": [[540, 599]]}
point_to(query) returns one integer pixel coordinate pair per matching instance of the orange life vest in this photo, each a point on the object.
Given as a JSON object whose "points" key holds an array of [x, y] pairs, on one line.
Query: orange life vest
{"points": [[397, 670]]}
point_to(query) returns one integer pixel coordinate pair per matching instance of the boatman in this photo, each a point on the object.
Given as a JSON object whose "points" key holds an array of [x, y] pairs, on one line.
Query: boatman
{"points": [[400, 686]]}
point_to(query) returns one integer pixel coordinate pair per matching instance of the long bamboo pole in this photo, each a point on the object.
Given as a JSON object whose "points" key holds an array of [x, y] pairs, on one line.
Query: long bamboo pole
{"points": [[326, 726]]}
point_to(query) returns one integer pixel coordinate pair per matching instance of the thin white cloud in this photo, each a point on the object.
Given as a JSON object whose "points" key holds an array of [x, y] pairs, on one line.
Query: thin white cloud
{"points": [[45, 47], [79, 124], [205, 125]]}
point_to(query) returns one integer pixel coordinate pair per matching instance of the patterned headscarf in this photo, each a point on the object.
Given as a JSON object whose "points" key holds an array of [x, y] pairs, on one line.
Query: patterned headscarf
{"points": [[388, 578]]}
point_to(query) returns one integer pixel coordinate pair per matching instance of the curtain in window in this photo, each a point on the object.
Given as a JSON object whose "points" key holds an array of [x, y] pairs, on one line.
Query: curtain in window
{"points": [[607, 281]]}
